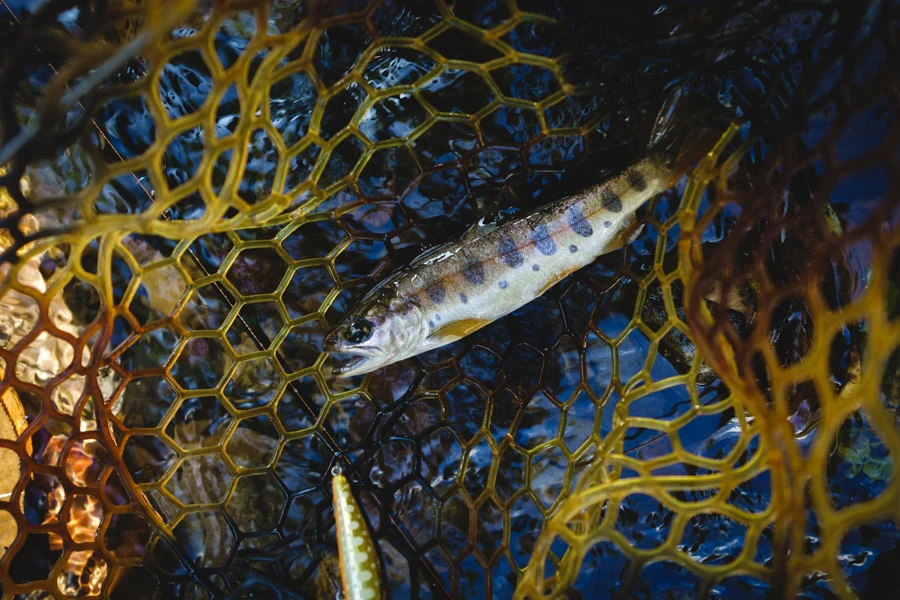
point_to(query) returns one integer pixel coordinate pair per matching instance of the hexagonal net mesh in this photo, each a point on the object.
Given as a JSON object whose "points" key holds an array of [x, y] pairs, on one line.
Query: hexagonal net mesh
{"points": [[192, 193]]}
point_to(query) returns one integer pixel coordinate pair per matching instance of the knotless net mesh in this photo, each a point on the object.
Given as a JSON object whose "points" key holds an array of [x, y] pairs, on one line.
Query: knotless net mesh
{"points": [[191, 193]]}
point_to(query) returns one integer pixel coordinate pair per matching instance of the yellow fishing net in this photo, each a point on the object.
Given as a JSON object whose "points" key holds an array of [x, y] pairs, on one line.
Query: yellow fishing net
{"points": [[191, 193]]}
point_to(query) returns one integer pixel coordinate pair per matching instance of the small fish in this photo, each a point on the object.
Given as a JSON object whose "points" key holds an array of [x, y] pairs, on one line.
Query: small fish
{"points": [[360, 574], [456, 289]]}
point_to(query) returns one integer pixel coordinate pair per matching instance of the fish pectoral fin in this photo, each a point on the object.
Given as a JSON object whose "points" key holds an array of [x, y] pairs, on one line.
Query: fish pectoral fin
{"points": [[457, 330], [629, 232], [556, 279]]}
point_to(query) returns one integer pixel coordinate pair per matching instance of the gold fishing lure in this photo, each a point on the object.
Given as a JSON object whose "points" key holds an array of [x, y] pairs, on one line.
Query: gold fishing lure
{"points": [[360, 574]]}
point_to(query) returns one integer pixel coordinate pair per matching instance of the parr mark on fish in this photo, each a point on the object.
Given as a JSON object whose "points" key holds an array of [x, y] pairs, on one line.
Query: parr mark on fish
{"points": [[474, 272], [610, 200], [637, 181], [540, 235], [579, 223], [436, 292], [510, 254]]}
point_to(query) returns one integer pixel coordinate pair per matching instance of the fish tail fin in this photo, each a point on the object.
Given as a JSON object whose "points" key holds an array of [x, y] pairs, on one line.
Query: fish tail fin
{"points": [[688, 125]]}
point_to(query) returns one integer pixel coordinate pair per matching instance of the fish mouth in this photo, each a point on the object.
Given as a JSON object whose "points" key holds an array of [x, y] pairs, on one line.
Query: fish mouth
{"points": [[354, 360], [350, 367]]}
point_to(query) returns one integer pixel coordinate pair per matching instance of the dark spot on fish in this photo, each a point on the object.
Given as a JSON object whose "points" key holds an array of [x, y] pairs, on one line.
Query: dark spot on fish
{"points": [[535, 267], [607, 224], [436, 292], [636, 181], [464, 299], [573, 248], [510, 254], [431, 324], [540, 235], [578, 223], [610, 200], [437, 317], [474, 273], [502, 284]]}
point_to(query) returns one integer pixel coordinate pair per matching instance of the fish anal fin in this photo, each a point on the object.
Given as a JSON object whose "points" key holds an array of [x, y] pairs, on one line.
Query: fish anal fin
{"points": [[556, 279], [630, 231], [457, 330]]}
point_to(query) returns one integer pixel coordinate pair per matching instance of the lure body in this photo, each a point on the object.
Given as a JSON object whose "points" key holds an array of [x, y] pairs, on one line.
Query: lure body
{"points": [[360, 575]]}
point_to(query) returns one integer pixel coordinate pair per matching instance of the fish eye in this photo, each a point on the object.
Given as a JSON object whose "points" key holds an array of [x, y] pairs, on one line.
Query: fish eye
{"points": [[359, 331]]}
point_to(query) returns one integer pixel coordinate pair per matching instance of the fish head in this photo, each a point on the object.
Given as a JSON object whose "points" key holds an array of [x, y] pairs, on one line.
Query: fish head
{"points": [[377, 332]]}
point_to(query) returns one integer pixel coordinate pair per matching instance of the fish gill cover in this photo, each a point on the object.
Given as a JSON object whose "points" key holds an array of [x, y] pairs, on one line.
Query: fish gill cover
{"points": [[192, 193]]}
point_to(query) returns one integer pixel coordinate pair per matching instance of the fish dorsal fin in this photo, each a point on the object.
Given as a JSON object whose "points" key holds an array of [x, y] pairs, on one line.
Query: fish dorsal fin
{"points": [[457, 330], [478, 229], [434, 254]]}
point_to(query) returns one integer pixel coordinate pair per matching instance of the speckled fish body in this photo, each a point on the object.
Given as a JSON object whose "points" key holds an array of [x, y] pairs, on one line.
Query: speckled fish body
{"points": [[360, 575], [454, 290], [486, 278]]}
